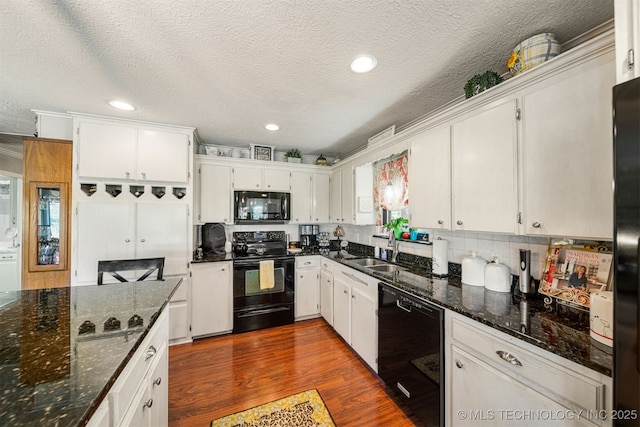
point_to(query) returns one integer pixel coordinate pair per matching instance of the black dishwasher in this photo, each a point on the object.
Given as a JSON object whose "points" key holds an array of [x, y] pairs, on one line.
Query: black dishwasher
{"points": [[411, 352]]}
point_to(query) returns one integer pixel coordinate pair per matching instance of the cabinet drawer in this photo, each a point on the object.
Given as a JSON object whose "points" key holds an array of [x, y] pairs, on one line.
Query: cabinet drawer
{"points": [[540, 373], [128, 382], [307, 262], [327, 265]]}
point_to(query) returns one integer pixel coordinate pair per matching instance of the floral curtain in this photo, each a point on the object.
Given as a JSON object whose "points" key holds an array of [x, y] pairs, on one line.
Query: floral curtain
{"points": [[391, 184]]}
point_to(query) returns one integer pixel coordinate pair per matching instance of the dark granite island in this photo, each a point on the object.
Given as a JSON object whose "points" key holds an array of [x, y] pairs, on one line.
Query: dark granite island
{"points": [[62, 350]]}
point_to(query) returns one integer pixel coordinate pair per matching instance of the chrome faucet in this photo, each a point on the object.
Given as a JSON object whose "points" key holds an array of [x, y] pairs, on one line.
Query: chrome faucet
{"points": [[393, 245]]}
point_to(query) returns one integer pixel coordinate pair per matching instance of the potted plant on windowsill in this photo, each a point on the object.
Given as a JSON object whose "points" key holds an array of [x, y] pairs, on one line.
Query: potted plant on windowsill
{"points": [[293, 156], [397, 225]]}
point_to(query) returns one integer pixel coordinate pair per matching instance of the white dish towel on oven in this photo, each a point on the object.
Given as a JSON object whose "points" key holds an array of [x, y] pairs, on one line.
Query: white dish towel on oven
{"points": [[267, 280]]}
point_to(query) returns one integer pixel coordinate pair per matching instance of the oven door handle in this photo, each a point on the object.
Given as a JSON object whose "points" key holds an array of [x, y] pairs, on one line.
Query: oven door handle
{"points": [[256, 262], [263, 311]]}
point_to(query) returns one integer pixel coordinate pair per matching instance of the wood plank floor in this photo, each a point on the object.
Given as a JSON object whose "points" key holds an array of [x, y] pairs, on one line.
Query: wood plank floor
{"points": [[218, 376]]}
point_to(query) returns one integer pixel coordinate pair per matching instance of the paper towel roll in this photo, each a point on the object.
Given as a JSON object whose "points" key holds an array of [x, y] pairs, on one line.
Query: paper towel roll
{"points": [[440, 256]]}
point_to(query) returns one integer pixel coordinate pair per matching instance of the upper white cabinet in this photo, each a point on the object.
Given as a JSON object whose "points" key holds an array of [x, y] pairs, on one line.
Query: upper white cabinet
{"points": [[320, 197], [112, 150], [627, 19], [484, 176], [567, 150], [309, 197], [255, 178], [430, 175], [342, 196], [215, 193]]}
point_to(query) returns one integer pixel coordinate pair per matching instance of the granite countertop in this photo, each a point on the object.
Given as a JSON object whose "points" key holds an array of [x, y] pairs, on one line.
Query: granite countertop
{"points": [[50, 372], [559, 330]]}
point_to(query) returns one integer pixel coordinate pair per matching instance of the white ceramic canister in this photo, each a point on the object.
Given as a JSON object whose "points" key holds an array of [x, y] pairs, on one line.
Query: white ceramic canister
{"points": [[473, 270], [497, 277]]}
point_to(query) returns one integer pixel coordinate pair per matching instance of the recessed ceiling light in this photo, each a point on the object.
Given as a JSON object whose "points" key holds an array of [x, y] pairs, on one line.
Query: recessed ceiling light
{"points": [[272, 126], [122, 105], [363, 64]]}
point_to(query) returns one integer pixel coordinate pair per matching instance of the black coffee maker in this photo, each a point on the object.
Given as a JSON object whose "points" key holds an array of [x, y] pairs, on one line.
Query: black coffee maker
{"points": [[309, 237]]}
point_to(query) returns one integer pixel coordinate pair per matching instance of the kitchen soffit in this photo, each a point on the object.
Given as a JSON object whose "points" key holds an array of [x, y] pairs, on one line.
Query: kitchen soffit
{"points": [[227, 68]]}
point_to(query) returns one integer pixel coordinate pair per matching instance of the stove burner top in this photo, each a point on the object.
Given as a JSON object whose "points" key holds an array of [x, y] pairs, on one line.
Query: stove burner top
{"points": [[259, 244]]}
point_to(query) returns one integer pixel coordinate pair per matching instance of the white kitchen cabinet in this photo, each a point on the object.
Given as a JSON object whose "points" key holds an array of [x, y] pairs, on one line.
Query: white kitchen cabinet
{"points": [[179, 319], [309, 197], [364, 330], [320, 198], [491, 372], [326, 295], [472, 397], [139, 396], [307, 287], [215, 194], [567, 151], [146, 408], [113, 150], [107, 230], [627, 30], [484, 175], [430, 176], [211, 298], [342, 196], [342, 306], [255, 178], [354, 312], [301, 197]]}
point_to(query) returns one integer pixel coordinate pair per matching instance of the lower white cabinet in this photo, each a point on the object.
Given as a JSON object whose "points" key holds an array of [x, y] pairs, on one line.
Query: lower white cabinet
{"points": [[491, 376], [139, 396], [179, 315], [326, 291], [211, 298], [355, 297], [307, 287]]}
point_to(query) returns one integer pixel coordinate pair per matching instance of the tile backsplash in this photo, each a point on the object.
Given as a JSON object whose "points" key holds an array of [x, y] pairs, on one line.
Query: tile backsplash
{"points": [[504, 246]]}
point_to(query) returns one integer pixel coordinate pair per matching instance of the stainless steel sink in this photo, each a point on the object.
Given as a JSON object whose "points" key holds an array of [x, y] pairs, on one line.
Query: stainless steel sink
{"points": [[386, 268], [367, 262]]}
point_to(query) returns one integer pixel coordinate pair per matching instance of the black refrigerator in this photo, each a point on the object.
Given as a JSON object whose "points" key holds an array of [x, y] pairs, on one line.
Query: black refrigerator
{"points": [[626, 331]]}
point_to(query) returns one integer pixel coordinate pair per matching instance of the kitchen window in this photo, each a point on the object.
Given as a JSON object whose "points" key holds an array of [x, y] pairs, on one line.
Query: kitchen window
{"points": [[391, 188]]}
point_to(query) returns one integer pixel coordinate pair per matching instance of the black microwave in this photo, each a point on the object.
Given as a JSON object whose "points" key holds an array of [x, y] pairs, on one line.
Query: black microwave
{"points": [[259, 207]]}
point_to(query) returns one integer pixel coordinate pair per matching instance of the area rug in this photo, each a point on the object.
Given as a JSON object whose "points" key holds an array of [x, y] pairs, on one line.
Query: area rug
{"points": [[306, 409]]}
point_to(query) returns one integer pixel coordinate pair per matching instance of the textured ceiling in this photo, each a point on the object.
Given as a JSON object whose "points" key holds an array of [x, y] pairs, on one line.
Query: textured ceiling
{"points": [[229, 67]]}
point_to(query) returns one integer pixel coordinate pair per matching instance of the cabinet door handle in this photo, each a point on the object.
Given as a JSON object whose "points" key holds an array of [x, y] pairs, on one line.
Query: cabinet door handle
{"points": [[440, 222], [459, 364], [268, 185], [307, 263], [148, 404], [157, 381], [508, 357], [222, 269], [345, 291], [353, 296], [301, 276], [143, 240], [459, 222], [150, 353], [536, 225], [144, 175], [127, 174], [127, 240]]}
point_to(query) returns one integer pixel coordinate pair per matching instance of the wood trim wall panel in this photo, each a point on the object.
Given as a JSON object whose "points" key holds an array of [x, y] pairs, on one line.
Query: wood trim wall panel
{"points": [[46, 161]]}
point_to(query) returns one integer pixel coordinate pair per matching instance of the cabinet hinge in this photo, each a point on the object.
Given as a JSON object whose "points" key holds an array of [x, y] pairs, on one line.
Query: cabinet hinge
{"points": [[189, 175], [189, 328], [519, 217], [630, 59], [190, 274], [518, 114], [78, 130]]}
